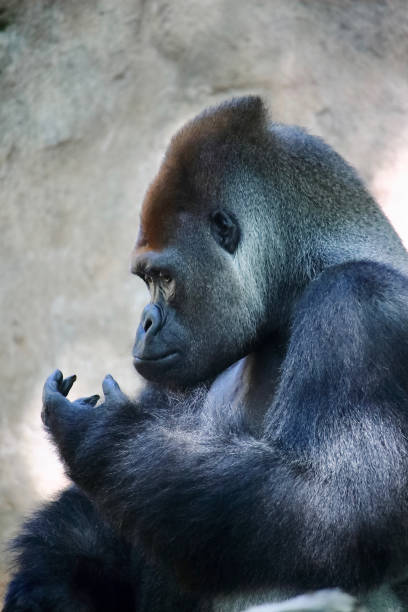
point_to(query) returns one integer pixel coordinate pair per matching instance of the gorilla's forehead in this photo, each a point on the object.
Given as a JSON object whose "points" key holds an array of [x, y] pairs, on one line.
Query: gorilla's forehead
{"points": [[188, 182], [168, 200], [198, 163]]}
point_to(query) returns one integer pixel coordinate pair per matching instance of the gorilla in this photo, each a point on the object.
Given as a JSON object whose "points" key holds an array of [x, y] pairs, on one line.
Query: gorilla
{"points": [[267, 454]]}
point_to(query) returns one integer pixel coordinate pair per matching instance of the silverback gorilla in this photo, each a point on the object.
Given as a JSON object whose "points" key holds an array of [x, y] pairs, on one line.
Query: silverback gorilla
{"points": [[268, 451]]}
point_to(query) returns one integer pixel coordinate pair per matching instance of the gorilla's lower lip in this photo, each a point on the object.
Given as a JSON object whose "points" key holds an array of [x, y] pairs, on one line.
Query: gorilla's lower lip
{"points": [[138, 360], [154, 368]]}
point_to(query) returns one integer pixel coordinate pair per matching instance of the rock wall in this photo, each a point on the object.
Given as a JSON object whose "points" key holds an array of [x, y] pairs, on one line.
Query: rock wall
{"points": [[89, 94]]}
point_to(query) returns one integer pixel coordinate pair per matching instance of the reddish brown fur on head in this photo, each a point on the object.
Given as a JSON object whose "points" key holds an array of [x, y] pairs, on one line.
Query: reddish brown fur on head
{"points": [[169, 191]]}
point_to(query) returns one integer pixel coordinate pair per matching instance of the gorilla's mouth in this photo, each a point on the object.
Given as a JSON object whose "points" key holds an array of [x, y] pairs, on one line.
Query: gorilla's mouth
{"points": [[154, 364], [143, 358]]}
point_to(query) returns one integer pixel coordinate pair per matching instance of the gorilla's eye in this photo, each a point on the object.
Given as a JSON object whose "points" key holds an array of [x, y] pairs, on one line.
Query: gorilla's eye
{"points": [[165, 278], [225, 230], [147, 279]]}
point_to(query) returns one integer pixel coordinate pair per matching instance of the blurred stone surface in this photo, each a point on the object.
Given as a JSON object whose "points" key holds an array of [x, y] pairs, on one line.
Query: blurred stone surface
{"points": [[89, 94]]}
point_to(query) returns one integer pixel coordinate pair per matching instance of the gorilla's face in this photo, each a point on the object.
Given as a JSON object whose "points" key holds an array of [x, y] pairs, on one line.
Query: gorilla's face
{"points": [[197, 322], [201, 251]]}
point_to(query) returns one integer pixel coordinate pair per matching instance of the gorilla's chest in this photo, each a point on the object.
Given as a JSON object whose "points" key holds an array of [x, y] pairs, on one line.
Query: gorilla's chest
{"points": [[380, 600], [240, 602]]}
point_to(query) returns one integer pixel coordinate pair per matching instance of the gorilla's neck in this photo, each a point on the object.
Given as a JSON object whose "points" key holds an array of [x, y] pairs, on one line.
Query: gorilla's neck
{"points": [[251, 382], [260, 374]]}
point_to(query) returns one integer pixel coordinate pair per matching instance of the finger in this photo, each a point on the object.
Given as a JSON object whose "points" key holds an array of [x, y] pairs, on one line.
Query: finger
{"points": [[92, 400], [52, 384], [66, 384], [52, 396], [57, 374], [54, 380], [110, 386]]}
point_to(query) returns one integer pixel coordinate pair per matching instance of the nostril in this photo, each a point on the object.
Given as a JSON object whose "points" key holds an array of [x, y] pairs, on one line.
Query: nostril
{"points": [[147, 324], [151, 320]]}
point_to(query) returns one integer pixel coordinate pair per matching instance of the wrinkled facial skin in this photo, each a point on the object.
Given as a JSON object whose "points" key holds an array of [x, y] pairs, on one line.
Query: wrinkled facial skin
{"points": [[197, 322]]}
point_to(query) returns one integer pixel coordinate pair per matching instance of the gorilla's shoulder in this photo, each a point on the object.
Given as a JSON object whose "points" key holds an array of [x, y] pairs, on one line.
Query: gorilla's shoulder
{"points": [[360, 281], [355, 314]]}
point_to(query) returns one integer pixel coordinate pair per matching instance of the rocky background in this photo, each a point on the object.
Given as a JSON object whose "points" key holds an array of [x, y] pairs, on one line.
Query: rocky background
{"points": [[90, 92]]}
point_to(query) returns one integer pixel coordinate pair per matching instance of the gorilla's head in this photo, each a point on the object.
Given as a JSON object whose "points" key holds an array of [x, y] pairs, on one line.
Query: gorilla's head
{"points": [[238, 219]]}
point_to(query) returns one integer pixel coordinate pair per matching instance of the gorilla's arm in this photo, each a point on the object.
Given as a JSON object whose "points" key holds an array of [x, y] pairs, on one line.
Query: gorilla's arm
{"points": [[188, 494], [319, 501]]}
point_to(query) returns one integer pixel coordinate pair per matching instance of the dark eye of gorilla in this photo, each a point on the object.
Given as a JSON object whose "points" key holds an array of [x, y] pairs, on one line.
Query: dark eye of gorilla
{"points": [[225, 230]]}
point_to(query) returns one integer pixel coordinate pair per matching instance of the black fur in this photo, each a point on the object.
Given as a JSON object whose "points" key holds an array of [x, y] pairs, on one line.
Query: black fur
{"points": [[289, 470]]}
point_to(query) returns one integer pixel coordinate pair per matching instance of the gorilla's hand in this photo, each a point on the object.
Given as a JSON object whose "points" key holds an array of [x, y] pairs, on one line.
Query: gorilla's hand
{"points": [[70, 423], [56, 407]]}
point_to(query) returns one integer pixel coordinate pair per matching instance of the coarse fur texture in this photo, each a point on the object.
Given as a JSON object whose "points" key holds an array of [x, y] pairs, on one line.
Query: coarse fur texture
{"points": [[269, 448]]}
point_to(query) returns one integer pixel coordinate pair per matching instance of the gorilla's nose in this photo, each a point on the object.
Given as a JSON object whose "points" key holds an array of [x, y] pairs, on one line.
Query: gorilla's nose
{"points": [[151, 320]]}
